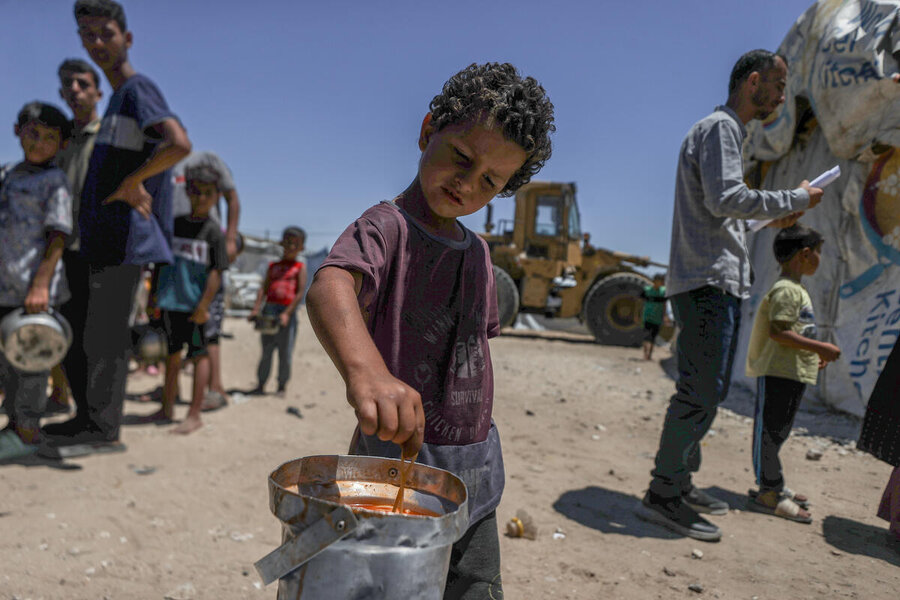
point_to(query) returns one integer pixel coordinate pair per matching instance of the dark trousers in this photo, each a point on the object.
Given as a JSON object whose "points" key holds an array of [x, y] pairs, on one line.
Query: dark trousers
{"points": [[97, 362], [777, 402], [709, 320], [283, 341], [475, 563]]}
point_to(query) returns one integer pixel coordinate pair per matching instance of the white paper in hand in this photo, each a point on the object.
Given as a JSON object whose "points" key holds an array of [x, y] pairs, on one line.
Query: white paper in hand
{"points": [[820, 182]]}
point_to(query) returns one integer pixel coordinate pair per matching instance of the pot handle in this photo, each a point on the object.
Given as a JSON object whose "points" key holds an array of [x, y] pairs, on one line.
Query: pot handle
{"points": [[295, 552]]}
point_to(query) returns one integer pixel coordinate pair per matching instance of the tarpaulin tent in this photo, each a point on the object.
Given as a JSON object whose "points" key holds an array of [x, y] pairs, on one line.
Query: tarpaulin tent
{"points": [[842, 109]]}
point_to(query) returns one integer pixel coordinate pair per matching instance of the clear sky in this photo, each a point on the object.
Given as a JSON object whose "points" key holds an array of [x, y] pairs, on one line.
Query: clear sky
{"points": [[316, 106]]}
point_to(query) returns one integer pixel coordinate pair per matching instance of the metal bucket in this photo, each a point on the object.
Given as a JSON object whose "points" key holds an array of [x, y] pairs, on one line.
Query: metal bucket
{"points": [[334, 550]]}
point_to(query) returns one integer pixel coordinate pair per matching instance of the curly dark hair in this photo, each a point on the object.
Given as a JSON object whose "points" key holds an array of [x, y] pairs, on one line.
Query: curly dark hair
{"points": [[518, 106]]}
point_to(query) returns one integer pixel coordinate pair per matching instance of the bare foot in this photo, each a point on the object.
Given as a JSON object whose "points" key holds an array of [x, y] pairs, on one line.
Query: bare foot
{"points": [[189, 425]]}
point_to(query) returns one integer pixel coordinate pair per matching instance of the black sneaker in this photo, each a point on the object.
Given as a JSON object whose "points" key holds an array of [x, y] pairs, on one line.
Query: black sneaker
{"points": [[71, 427], [704, 503], [674, 514]]}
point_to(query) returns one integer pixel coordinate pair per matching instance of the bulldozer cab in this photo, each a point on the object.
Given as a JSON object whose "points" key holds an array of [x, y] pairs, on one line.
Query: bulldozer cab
{"points": [[552, 228]]}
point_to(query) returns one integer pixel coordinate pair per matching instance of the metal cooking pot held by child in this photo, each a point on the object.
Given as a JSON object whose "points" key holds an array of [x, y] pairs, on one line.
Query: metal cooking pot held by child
{"points": [[34, 342]]}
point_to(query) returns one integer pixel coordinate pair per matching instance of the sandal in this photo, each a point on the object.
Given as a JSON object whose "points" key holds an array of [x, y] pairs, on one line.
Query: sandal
{"points": [[784, 507], [801, 500]]}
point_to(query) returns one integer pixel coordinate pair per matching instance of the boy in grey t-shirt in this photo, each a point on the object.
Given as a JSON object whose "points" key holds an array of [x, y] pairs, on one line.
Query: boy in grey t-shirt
{"points": [[405, 302]]}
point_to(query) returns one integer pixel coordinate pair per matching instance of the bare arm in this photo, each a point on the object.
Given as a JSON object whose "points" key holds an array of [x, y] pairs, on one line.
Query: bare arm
{"points": [[233, 205], [383, 404], [301, 288], [791, 339], [259, 298], [174, 146], [38, 298], [201, 311]]}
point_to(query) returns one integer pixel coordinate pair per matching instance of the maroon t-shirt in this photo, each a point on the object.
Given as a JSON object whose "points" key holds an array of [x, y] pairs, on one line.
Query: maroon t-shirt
{"points": [[430, 305]]}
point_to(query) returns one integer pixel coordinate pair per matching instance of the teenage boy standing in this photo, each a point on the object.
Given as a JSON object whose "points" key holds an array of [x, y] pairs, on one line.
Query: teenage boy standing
{"points": [[79, 87], [125, 222]]}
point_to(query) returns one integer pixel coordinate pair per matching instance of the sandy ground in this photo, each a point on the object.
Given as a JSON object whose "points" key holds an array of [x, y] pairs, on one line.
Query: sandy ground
{"points": [[186, 517]]}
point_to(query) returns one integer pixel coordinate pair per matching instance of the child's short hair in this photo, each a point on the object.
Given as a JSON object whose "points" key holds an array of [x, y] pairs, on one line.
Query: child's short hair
{"points": [[77, 65], [202, 174], [791, 240], [295, 231], [46, 115], [102, 8], [659, 277], [518, 106]]}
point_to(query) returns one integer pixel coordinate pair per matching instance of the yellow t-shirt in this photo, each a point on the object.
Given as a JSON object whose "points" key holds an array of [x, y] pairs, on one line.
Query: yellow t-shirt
{"points": [[787, 302]]}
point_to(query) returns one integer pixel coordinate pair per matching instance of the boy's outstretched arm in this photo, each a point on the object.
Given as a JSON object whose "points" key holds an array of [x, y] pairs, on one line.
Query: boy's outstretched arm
{"points": [[260, 296], [201, 311], [780, 333], [384, 405]]}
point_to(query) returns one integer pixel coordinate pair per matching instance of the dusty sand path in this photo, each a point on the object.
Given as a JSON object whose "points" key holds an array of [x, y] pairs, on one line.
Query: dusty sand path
{"points": [[185, 517]]}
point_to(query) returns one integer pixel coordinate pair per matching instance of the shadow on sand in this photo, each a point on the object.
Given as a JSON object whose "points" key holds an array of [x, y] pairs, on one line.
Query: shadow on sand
{"points": [[854, 537], [39, 461], [608, 511]]}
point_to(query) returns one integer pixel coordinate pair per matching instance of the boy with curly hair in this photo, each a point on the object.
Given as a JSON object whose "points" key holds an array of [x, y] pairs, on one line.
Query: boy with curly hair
{"points": [[406, 301]]}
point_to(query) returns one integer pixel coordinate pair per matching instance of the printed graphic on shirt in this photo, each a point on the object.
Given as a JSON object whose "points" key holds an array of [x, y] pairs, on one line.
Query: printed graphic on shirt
{"points": [[198, 248], [806, 322], [191, 250]]}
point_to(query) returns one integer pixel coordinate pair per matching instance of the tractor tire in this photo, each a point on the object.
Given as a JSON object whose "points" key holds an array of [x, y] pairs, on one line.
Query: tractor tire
{"points": [[507, 297], [610, 309]]}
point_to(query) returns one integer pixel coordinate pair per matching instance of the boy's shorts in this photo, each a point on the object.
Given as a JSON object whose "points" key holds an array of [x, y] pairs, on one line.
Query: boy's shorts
{"points": [[651, 331], [180, 331], [213, 327]]}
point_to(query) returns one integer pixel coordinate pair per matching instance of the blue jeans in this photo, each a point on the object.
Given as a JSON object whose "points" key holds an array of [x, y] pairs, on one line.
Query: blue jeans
{"points": [[283, 341], [709, 320]]}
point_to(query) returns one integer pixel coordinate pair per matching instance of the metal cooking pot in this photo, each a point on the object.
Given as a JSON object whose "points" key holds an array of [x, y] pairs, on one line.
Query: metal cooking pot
{"points": [[267, 324], [34, 342], [151, 346]]}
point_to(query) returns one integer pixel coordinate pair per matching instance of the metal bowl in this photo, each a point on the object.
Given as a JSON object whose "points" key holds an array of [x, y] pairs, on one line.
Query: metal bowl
{"points": [[34, 342], [267, 324], [151, 346]]}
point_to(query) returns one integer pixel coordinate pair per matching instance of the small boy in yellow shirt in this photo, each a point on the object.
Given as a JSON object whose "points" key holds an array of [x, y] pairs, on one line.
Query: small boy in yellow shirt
{"points": [[784, 356]]}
